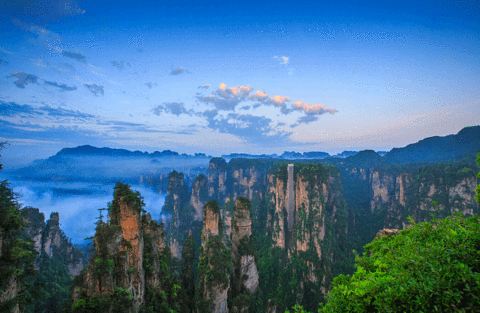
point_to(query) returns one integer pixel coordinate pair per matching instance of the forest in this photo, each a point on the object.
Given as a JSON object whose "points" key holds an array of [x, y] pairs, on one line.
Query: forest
{"points": [[184, 264]]}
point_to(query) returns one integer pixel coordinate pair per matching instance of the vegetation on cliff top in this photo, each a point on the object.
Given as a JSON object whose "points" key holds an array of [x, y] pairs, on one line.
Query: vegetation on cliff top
{"points": [[132, 198], [16, 252]]}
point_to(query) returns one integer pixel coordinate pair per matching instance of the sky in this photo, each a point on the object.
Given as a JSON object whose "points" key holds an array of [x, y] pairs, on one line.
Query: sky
{"points": [[223, 77]]}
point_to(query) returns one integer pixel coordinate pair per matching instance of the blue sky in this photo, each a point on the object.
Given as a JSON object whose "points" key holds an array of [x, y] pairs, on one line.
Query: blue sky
{"points": [[222, 77]]}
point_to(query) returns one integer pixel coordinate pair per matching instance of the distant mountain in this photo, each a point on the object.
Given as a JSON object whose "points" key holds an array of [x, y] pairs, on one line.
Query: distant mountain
{"points": [[288, 155], [249, 156], [88, 150], [345, 154], [464, 145]]}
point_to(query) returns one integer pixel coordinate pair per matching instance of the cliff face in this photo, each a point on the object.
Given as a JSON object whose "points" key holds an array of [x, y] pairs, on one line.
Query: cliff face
{"points": [[217, 180], [176, 213], [304, 218], [118, 261], [245, 273], [397, 195], [214, 266], [316, 202], [199, 196], [48, 239]]}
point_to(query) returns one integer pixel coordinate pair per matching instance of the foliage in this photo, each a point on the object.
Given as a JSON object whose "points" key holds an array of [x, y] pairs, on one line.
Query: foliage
{"points": [[52, 284], [119, 300], [213, 205], [477, 196], [132, 198], [17, 253], [214, 269], [430, 267], [188, 275]]}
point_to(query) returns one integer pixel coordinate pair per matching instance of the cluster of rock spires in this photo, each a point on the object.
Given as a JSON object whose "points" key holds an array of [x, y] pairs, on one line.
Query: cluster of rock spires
{"points": [[49, 239], [128, 262], [49, 242]]}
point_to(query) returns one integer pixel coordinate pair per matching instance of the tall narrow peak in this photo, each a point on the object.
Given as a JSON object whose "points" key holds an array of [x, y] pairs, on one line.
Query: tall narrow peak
{"points": [[176, 213], [290, 197], [217, 179], [188, 275], [115, 271], [214, 266], [245, 274]]}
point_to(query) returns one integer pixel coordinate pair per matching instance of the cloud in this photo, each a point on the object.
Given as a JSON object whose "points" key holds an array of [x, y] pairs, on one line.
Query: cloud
{"points": [[312, 109], [119, 65], [312, 112], [276, 101], [226, 98], [177, 71], [245, 107], [73, 55], [150, 85], [23, 79], [44, 37], [13, 109], [305, 120], [95, 89], [282, 60], [2, 49], [206, 86], [175, 108], [63, 87], [121, 126], [66, 134], [46, 9], [254, 129]]}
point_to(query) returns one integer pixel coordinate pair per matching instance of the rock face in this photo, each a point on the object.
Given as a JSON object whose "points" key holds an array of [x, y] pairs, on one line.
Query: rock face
{"points": [[245, 274], [387, 232], [217, 179], [12, 291], [315, 197], [126, 262], [214, 265], [176, 213], [307, 212], [48, 238], [395, 195]]}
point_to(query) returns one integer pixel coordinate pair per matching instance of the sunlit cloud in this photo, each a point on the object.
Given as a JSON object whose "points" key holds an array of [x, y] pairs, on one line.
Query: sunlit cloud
{"points": [[312, 109], [282, 59], [276, 101], [206, 86], [226, 98]]}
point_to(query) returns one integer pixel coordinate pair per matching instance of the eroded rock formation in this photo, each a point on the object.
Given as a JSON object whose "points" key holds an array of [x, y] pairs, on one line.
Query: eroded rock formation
{"points": [[49, 239], [214, 266]]}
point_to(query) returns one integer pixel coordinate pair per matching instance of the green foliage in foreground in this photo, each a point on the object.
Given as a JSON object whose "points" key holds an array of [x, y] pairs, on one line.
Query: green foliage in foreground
{"points": [[429, 267], [477, 196]]}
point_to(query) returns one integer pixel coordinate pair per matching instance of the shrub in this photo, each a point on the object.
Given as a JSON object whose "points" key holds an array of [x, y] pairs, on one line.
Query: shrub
{"points": [[429, 267]]}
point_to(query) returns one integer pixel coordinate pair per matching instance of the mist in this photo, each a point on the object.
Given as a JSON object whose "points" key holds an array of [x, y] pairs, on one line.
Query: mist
{"points": [[77, 203]]}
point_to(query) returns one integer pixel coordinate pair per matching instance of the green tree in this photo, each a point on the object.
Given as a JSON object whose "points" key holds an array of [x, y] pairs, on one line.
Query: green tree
{"points": [[188, 277], [429, 267], [16, 251], [477, 196]]}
